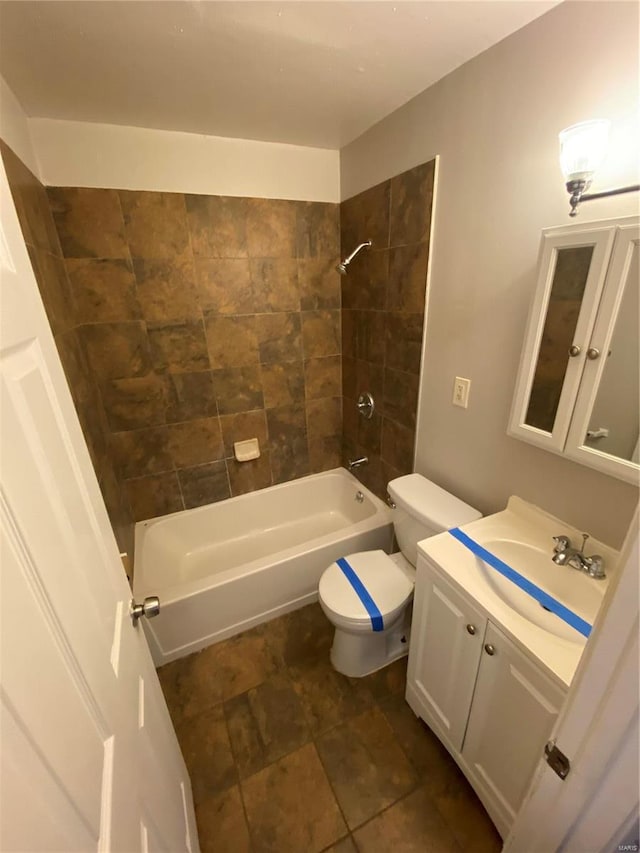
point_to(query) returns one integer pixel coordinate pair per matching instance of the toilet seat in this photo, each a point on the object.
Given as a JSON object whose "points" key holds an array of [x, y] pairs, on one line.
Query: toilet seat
{"points": [[387, 584]]}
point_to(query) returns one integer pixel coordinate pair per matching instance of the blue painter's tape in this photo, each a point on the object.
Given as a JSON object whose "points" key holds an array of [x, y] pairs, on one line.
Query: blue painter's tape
{"points": [[361, 591], [527, 586]]}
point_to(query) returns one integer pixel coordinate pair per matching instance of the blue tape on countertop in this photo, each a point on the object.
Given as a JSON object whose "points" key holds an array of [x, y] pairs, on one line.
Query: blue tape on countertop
{"points": [[527, 586], [361, 591]]}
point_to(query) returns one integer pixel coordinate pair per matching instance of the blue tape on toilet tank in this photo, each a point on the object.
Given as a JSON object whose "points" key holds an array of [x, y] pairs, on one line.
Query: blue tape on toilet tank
{"points": [[361, 591], [546, 600]]}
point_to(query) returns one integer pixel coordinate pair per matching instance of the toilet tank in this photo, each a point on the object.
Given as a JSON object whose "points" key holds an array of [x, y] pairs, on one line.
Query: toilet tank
{"points": [[424, 509]]}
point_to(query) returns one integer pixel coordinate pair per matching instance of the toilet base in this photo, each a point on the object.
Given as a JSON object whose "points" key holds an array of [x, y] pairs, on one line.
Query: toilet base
{"points": [[357, 655]]}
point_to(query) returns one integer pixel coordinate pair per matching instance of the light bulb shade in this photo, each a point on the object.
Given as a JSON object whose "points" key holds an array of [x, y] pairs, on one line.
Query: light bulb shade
{"points": [[583, 148]]}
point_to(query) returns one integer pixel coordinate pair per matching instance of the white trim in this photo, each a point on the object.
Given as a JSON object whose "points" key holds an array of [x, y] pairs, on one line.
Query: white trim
{"points": [[427, 301]]}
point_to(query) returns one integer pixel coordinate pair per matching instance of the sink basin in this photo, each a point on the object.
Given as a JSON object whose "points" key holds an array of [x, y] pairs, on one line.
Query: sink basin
{"points": [[572, 588]]}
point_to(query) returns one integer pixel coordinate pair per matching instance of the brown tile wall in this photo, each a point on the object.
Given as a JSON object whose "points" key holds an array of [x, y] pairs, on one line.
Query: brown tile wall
{"points": [[383, 299], [66, 304], [187, 322], [206, 320]]}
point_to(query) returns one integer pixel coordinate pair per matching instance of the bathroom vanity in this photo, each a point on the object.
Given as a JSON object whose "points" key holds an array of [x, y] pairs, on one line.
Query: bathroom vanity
{"points": [[489, 667]]}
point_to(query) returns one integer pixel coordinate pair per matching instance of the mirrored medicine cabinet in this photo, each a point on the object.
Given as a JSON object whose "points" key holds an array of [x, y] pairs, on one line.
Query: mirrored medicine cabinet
{"points": [[578, 387]]}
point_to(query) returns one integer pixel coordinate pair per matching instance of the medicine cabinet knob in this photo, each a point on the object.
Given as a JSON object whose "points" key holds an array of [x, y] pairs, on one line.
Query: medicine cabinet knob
{"points": [[574, 350], [489, 649], [593, 353], [471, 629]]}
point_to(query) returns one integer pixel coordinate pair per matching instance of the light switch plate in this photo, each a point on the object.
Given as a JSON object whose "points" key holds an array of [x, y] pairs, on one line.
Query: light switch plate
{"points": [[461, 392]]}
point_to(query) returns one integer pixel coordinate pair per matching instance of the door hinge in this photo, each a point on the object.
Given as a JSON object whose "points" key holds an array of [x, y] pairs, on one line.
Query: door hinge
{"points": [[557, 760]]}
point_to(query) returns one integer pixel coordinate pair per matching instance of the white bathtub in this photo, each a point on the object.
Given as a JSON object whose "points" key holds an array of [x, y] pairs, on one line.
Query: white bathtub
{"points": [[228, 566]]}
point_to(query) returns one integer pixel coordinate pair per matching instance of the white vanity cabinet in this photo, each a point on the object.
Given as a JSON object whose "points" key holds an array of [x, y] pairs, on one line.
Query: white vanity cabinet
{"points": [[446, 645], [491, 705], [513, 710]]}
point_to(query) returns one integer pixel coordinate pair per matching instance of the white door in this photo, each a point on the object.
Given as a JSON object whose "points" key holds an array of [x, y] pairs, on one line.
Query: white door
{"points": [[595, 808], [446, 643], [514, 708], [90, 760]]}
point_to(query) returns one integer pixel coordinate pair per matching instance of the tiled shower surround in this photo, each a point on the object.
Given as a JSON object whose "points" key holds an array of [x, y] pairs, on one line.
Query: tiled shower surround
{"points": [[40, 235], [188, 322], [383, 299], [207, 320]]}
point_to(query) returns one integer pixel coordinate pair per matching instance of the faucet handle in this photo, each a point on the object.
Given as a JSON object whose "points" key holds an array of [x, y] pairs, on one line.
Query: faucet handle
{"points": [[562, 543], [595, 566]]}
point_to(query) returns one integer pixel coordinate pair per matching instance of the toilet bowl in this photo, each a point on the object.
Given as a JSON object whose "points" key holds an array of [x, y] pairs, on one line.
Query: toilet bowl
{"points": [[363, 643], [367, 595]]}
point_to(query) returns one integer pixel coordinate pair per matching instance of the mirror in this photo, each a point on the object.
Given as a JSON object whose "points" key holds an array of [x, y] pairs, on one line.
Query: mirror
{"points": [[563, 310], [578, 388], [614, 422]]}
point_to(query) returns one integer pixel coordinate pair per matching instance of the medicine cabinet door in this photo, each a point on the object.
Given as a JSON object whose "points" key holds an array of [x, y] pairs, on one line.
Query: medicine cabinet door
{"points": [[571, 272], [604, 429]]}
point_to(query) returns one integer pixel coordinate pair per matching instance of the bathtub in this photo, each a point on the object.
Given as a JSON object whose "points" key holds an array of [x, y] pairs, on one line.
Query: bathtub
{"points": [[225, 567]]}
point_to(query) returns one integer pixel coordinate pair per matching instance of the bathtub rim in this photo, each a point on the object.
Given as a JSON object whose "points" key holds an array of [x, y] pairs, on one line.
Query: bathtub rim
{"points": [[187, 589]]}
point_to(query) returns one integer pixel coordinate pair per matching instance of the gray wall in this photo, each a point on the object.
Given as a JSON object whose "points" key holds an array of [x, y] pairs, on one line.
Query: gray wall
{"points": [[495, 122]]}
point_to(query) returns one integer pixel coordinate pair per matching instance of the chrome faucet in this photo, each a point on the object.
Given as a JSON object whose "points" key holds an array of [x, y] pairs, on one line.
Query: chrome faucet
{"points": [[356, 463], [565, 555]]}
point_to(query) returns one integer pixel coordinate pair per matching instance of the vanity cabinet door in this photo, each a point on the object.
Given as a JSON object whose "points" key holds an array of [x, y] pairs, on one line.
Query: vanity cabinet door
{"points": [[446, 643], [514, 708]]}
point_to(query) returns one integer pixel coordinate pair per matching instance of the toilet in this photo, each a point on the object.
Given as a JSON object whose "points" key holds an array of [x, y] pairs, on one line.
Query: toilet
{"points": [[367, 595]]}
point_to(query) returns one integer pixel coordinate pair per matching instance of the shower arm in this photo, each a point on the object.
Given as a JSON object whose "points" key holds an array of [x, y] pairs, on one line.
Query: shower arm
{"points": [[365, 245]]}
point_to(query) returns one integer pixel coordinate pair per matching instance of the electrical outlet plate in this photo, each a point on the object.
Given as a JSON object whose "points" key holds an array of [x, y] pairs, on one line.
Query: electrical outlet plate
{"points": [[461, 392]]}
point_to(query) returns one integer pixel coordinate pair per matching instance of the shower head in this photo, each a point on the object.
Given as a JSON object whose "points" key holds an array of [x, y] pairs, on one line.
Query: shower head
{"points": [[342, 266]]}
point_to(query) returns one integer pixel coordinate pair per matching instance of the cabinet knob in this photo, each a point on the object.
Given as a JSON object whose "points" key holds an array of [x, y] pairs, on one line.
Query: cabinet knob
{"points": [[471, 629], [593, 353], [489, 649], [574, 350]]}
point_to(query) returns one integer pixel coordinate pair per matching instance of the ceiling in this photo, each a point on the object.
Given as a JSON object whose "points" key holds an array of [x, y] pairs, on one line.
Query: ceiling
{"points": [[307, 73]]}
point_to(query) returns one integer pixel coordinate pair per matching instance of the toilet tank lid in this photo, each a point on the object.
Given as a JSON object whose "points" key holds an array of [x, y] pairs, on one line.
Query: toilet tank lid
{"points": [[429, 503]]}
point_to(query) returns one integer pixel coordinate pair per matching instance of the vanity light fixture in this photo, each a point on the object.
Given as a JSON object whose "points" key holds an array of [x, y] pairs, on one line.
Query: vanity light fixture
{"points": [[583, 148]]}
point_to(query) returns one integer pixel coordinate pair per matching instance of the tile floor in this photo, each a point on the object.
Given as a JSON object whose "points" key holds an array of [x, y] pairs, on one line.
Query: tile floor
{"points": [[287, 756]]}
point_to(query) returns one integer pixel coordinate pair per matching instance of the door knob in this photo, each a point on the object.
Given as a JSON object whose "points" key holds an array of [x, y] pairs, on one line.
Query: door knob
{"points": [[150, 607], [574, 350], [489, 649], [593, 353], [471, 629]]}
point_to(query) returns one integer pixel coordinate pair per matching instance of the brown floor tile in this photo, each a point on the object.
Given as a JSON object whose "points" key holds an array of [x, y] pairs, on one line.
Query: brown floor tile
{"points": [[278, 689], [302, 635], [242, 662], [465, 815], [344, 846], [366, 766], [222, 827], [411, 826], [328, 698], [219, 672], [265, 723], [429, 757], [390, 681], [290, 806], [206, 748]]}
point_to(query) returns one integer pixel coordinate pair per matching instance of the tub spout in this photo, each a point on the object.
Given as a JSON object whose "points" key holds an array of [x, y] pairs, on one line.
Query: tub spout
{"points": [[356, 463]]}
